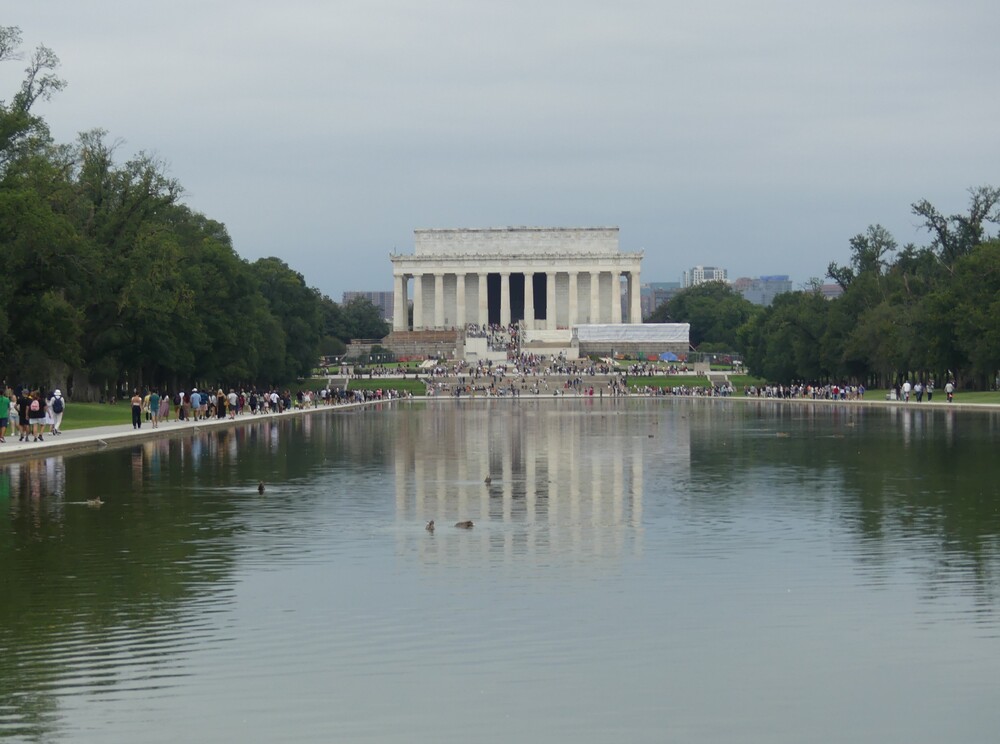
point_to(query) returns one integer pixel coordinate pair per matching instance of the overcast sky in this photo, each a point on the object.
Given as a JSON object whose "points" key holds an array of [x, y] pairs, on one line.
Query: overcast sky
{"points": [[755, 136]]}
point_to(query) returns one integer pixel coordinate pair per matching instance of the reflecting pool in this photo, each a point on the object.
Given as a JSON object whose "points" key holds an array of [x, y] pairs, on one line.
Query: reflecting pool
{"points": [[639, 571]]}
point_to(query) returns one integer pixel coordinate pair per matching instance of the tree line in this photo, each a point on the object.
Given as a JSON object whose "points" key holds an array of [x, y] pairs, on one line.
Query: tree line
{"points": [[111, 281], [919, 312]]}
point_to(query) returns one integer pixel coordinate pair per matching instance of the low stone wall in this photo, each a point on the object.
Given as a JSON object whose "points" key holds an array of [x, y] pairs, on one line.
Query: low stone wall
{"points": [[631, 349], [415, 344]]}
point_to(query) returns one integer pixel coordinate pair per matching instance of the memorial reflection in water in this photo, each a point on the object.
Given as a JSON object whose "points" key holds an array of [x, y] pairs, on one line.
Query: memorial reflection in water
{"points": [[562, 478]]}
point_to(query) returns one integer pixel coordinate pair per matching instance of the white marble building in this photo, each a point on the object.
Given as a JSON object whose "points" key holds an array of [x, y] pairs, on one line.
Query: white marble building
{"points": [[548, 278]]}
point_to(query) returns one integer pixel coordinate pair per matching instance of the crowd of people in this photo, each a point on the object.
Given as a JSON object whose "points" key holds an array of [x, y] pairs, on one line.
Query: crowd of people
{"points": [[829, 391], [31, 414], [34, 414], [155, 407], [498, 337]]}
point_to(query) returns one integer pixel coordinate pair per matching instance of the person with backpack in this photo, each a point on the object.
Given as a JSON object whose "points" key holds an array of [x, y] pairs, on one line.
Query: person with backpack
{"points": [[57, 405], [36, 415]]}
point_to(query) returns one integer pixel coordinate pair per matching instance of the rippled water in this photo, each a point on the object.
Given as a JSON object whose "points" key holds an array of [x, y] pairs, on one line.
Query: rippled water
{"points": [[640, 571]]}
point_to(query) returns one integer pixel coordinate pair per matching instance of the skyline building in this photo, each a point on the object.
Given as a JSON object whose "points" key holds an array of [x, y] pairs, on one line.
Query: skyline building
{"points": [[654, 294], [383, 300], [763, 289], [700, 274]]}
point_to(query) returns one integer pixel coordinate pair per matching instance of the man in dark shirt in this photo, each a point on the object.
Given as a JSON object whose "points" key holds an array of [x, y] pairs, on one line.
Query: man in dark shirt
{"points": [[23, 422]]}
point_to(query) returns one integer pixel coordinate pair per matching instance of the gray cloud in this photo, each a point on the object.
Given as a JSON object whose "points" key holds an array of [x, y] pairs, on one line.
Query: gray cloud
{"points": [[759, 136]]}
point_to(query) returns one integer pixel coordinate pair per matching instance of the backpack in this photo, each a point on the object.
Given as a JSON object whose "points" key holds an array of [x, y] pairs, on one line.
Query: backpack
{"points": [[57, 404]]}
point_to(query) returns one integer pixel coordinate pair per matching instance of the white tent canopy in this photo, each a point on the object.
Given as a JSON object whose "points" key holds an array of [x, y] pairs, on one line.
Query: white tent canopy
{"points": [[636, 333]]}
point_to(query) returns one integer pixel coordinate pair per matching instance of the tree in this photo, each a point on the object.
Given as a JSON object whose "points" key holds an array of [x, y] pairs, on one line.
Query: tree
{"points": [[957, 235], [364, 320], [783, 342], [334, 325], [714, 310], [296, 308], [20, 129], [971, 307], [869, 252]]}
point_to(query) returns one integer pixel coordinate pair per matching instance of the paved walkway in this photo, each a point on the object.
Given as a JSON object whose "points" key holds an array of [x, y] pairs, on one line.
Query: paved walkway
{"points": [[99, 437]]}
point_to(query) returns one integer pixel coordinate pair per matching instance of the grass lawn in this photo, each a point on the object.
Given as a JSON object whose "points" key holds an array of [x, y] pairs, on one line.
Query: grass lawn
{"points": [[86, 415], [738, 381], [973, 396]]}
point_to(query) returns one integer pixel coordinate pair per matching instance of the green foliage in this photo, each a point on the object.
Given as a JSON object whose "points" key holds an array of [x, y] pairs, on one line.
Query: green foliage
{"points": [[297, 309], [956, 236], [782, 343], [920, 313], [363, 319], [974, 300], [122, 280], [714, 310]]}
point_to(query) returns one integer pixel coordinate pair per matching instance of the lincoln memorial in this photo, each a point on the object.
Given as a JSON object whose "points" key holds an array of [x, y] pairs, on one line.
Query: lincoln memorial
{"points": [[546, 279]]}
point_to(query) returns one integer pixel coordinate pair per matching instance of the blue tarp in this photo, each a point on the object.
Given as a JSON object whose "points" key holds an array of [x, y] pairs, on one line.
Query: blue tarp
{"points": [[668, 356]]}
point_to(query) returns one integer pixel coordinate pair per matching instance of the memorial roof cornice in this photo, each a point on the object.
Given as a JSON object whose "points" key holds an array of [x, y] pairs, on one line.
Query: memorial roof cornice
{"points": [[493, 258]]}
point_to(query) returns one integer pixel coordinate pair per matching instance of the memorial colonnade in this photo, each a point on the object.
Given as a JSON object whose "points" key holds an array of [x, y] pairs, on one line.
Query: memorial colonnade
{"points": [[544, 278]]}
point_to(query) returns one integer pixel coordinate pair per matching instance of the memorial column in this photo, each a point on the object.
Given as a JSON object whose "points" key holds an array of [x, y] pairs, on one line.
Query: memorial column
{"points": [[438, 300], [595, 297], [529, 300], [399, 303], [635, 297], [459, 300], [418, 302], [573, 292], [484, 307], [504, 298], [550, 300], [616, 296]]}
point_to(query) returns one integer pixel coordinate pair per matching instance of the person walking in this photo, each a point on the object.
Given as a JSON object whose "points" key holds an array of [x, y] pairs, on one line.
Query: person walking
{"points": [[164, 412], [57, 406], [23, 420], [153, 407], [36, 415], [136, 410], [4, 413]]}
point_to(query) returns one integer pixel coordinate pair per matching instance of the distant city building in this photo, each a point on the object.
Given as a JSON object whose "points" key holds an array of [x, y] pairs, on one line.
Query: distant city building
{"points": [[654, 294], [701, 274], [763, 289], [831, 291], [381, 300]]}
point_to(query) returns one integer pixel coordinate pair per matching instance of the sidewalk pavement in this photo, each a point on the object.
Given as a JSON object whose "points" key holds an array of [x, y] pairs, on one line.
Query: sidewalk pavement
{"points": [[99, 437]]}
